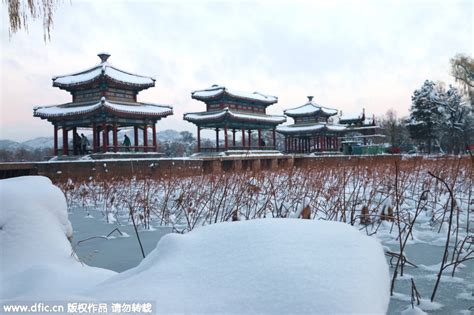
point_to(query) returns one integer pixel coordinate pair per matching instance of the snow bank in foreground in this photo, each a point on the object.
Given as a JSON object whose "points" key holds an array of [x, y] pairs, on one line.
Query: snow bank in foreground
{"points": [[35, 254], [261, 266]]}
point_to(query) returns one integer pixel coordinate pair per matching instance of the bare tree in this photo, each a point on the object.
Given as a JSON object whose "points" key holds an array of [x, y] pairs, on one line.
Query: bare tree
{"points": [[20, 12], [462, 68]]}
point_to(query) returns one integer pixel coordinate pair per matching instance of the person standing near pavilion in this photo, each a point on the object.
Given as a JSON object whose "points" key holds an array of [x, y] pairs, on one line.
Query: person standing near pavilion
{"points": [[84, 144], [76, 142], [126, 143]]}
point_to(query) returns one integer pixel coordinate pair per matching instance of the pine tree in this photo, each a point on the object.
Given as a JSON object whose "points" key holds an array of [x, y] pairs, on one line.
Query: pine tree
{"points": [[424, 120], [453, 115]]}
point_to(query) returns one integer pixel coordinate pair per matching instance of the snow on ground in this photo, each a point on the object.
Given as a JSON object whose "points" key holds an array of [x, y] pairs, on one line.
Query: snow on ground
{"points": [[35, 251], [258, 266], [275, 266]]}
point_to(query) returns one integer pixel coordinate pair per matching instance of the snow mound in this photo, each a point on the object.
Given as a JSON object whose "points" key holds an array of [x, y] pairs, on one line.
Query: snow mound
{"points": [[270, 266], [35, 254]]}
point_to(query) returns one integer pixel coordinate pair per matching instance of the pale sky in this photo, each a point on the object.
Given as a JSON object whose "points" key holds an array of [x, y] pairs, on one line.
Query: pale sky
{"points": [[348, 54]]}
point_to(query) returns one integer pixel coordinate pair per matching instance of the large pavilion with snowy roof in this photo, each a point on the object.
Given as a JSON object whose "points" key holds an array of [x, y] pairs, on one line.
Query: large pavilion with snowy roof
{"points": [[314, 130], [104, 100], [235, 112]]}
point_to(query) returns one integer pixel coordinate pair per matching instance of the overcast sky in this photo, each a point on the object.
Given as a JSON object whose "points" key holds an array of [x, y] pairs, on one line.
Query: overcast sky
{"points": [[348, 54]]}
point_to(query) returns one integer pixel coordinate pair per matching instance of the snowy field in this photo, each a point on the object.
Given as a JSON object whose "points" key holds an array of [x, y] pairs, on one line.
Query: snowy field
{"points": [[400, 204]]}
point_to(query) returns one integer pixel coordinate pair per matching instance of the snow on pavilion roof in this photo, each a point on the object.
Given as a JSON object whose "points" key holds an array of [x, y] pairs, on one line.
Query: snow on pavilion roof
{"points": [[106, 69], [217, 90], [310, 108], [72, 109], [227, 113], [298, 128]]}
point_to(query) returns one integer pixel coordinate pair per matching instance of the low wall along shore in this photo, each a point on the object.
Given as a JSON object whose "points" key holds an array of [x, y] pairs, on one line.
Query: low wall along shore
{"points": [[162, 167]]}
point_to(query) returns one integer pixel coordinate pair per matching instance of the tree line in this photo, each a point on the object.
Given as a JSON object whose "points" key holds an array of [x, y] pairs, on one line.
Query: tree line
{"points": [[441, 118]]}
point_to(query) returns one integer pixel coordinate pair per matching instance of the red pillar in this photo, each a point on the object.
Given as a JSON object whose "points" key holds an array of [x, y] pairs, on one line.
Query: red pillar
{"points": [[94, 138], [114, 131], [55, 140], [274, 139], [217, 139], [145, 138], [65, 141], [135, 136], [226, 142], [74, 146], [233, 138], [105, 137], [199, 139], [155, 145], [259, 131], [243, 138]]}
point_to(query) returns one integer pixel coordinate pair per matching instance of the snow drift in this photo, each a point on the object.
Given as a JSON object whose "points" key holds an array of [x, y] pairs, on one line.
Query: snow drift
{"points": [[35, 254], [261, 266], [271, 266]]}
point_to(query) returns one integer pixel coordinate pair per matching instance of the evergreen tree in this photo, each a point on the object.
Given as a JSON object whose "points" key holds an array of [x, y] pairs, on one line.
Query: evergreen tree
{"points": [[453, 115], [424, 121]]}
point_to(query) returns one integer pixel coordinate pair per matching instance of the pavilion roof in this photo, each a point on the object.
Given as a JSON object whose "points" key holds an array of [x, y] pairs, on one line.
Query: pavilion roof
{"points": [[103, 69], [308, 128], [310, 108], [74, 109], [216, 91], [352, 118], [226, 113]]}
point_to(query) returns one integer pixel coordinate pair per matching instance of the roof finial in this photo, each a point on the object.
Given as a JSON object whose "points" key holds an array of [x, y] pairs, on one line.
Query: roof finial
{"points": [[310, 98], [103, 56]]}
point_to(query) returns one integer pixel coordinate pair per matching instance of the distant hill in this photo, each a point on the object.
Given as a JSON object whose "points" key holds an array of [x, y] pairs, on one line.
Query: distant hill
{"points": [[30, 145], [9, 145], [168, 135], [39, 143]]}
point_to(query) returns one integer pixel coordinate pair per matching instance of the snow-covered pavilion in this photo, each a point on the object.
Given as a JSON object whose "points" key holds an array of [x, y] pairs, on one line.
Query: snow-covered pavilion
{"points": [[362, 133], [314, 130], [104, 99], [235, 111]]}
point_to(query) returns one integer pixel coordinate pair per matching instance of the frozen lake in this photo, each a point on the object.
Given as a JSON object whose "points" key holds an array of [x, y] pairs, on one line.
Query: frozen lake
{"points": [[454, 295]]}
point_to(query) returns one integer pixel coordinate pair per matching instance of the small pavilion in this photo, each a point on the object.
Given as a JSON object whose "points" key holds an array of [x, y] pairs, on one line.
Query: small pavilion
{"points": [[104, 100], [315, 129], [235, 112], [362, 134]]}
